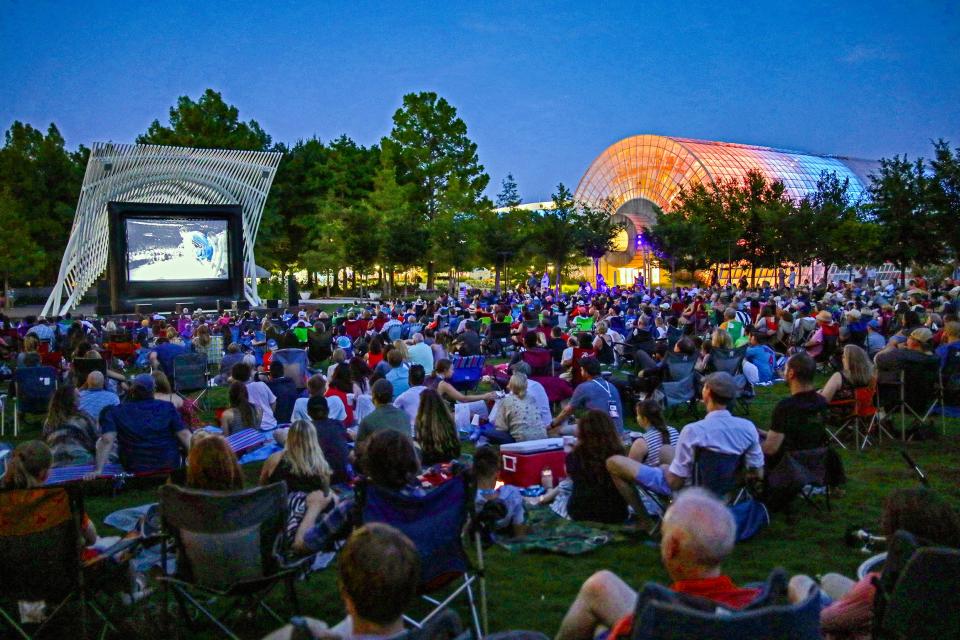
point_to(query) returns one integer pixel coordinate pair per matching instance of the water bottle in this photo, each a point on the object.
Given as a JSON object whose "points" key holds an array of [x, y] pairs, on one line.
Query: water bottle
{"points": [[546, 478]]}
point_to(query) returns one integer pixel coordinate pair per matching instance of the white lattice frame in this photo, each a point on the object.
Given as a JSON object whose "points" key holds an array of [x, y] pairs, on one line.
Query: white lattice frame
{"points": [[165, 175]]}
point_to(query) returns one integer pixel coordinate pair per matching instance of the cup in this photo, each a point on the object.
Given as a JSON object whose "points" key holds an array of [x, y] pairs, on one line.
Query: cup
{"points": [[475, 421]]}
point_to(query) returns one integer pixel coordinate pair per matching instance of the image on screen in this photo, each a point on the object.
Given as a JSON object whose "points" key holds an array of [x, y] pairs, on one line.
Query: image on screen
{"points": [[176, 249]]}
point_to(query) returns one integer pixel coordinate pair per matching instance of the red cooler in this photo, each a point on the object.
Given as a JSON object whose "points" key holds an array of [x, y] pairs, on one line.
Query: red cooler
{"points": [[523, 462]]}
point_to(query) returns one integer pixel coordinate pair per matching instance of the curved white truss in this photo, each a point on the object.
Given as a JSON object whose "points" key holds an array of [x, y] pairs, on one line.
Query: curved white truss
{"points": [[168, 175]]}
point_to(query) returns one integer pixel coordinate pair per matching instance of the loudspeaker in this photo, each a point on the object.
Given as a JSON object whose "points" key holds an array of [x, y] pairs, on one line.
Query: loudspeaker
{"points": [[293, 292], [180, 306], [103, 298], [273, 304], [223, 305], [241, 305], [144, 309]]}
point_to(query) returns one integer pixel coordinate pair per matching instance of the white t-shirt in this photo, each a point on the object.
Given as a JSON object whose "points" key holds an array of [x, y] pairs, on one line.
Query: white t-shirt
{"points": [[334, 404], [409, 401], [422, 354], [261, 396]]}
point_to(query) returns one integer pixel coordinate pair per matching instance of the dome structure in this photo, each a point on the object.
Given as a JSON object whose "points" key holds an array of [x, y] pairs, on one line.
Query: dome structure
{"points": [[639, 172]]}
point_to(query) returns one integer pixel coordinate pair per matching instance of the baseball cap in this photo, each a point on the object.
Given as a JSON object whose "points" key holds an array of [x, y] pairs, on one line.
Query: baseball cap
{"points": [[874, 324], [271, 344], [922, 335], [721, 385], [144, 380]]}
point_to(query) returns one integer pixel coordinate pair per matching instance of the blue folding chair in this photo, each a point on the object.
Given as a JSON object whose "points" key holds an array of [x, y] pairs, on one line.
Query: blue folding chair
{"points": [[435, 523], [295, 365], [34, 387], [467, 371]]}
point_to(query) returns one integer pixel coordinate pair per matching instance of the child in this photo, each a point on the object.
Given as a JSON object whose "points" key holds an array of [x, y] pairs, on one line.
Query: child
{"points": [[486, 466]]}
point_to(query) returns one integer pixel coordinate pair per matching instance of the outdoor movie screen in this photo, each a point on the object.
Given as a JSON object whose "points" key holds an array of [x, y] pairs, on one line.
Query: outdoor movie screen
{"points": [[176, 249]]}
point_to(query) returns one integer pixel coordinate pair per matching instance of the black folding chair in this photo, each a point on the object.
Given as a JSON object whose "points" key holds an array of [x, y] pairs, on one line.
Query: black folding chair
{"points": [[82, 367], [679, 365], [40, 545], [228, 551], [918, 592], [919, 393], [662, 613], [190, 374]]}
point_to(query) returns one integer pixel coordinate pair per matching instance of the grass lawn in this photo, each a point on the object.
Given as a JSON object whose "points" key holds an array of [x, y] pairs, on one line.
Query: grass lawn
{"points": [[532, 591]]}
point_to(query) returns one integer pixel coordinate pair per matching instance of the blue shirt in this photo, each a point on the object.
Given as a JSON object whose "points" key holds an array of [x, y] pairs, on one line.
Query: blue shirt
{"points": [[399, 377], [764, 359], [94, 401], [166, 352], [598, 394], [146, 434], [285, 389]]}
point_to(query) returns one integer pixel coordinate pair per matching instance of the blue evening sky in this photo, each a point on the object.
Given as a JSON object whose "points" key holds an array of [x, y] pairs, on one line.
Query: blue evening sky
{"points": [[544, 87]]}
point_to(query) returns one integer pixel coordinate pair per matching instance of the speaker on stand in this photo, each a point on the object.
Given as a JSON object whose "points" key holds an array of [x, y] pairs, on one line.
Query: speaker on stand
{"points": [[293, 292]]}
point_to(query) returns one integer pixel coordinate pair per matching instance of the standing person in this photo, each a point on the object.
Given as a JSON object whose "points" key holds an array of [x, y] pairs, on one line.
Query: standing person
{"points": [[241, 414], [435, 431], [70, 433]]}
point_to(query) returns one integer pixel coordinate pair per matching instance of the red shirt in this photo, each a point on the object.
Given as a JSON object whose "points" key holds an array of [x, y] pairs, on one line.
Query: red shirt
{"points": [[720, 589]]}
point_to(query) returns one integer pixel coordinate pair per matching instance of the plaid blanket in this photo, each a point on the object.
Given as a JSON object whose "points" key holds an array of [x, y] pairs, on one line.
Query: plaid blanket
{"points": [[552, 534]]}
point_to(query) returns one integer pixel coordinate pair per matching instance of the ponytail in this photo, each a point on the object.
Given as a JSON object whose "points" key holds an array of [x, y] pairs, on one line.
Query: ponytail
{"points": [[651, 410], [28, 463]]}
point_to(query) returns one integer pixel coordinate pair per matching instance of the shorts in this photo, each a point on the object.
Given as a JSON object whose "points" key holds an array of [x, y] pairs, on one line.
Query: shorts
{"points": [[653, 479]]}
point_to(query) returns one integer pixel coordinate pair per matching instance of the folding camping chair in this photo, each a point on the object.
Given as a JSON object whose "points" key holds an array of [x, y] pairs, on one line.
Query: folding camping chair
{"points": [[680, 392], [82, 367], [863, 418], [190, 373], [662, 613], [435, 523], [34, 386], [540, 361], [295, 365], [731, 361], [497, 341], [919, 394], [467, 371], [40, 545], [803, 472], [918, 593], [723, 474], [227, 546]]}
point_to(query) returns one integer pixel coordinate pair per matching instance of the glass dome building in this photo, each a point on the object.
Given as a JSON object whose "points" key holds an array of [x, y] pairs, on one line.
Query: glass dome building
{"points": [[639, 172]]}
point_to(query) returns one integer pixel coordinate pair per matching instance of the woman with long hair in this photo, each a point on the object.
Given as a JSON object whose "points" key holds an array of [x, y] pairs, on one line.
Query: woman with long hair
{"points": [[69, 432], [163, 391], [360, 375], [242, 414], [303, 467], [588, 492], [374, 352], [212, 465], [31, 344], [340, 385], [657, 445], [435, 430], [857, 372]]}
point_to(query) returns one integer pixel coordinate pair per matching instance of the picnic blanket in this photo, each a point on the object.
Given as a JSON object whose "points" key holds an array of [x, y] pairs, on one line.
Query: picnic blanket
{"points": [[552, 534]]}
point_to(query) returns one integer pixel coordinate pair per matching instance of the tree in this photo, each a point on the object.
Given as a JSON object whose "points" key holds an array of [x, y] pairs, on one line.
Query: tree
{"points": [[504, 230], [596, 234], [944, 194], [24, 257], [430, 146], [556, 232], [900, 206], [41, 180], [404, 241], [208, 123], [677, 238], [757, 206]]}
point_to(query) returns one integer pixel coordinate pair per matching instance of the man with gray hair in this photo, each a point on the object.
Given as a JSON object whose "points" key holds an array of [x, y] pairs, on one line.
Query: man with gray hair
{"points": [[420, 352], [94, 398], [719, 431], [699, 533]]}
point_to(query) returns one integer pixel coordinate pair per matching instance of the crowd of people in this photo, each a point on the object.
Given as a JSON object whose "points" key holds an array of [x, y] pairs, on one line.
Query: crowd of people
{"points": [[388, 405]]}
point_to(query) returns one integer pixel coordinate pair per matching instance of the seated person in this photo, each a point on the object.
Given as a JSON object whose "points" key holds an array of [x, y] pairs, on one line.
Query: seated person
{"points": [[70, 433], [848, 610], [588, 492], [698, 533], [234, 355], [94, 398], [719, 431], [258, 392], [163, 390], [899, 356], [517, 418], [444, 370], [593, 393], [659, 440], [486, 467], [398, 373], [378, 574], [285, 390], [761, 357], [332, 438], [339, 385], [242, 414], [856, 372], [148, 433], [390, 461], [435, 431], [384, 415], [317, 386], [409, 400], [798, 421], [950, 341], [303, 467], [163, 355]]}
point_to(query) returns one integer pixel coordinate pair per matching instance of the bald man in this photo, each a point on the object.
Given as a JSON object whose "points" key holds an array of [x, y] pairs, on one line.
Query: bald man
{"points": [[698, 534], [94, 398]]}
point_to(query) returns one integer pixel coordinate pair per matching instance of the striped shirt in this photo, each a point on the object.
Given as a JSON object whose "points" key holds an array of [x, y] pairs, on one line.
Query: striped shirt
{"points": [[654, 441]]}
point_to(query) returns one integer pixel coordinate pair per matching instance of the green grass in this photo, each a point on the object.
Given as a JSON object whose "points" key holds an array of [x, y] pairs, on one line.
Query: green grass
{"points": [[533, 591]]}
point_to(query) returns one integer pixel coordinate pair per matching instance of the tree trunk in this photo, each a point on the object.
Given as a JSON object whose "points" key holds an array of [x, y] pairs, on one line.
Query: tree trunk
{"points": [[389, 286], [559, 268], [329, 278], [753, 274], [596, 273], [430, 274], [496, 277]]}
